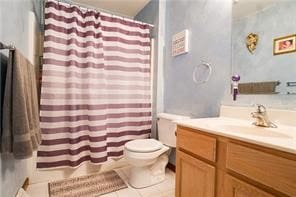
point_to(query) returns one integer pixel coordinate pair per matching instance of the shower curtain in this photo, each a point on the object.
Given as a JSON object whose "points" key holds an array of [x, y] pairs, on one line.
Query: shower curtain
{"points": [[95, 92]]}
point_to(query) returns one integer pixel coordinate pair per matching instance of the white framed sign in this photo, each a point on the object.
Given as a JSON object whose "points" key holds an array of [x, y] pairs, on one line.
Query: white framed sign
{"points": [[180, 43]]}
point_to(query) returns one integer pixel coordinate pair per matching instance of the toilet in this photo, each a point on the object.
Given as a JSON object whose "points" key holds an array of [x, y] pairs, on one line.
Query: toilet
{"points": [[149, 157]]}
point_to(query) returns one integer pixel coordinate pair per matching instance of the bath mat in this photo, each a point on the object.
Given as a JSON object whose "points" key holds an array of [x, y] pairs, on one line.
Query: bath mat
{"points": [[87, 186]]}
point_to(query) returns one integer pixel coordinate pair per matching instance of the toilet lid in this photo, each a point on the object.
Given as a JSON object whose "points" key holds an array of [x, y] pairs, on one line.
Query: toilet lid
{"points": [[143, 145]]}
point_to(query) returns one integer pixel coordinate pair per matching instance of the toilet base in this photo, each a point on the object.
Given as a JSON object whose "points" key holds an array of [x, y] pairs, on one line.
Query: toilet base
{"points": [[146, 176]]}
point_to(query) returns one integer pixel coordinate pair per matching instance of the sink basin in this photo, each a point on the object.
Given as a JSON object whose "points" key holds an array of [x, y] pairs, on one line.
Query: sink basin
{"points": [[258, 131]]}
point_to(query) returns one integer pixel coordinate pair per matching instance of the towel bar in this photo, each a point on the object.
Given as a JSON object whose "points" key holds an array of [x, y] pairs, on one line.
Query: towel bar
{"points": [[3, 46]]}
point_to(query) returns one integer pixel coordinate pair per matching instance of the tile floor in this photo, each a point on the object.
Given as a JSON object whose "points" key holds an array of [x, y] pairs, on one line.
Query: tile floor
{"points": [[164, 189]]}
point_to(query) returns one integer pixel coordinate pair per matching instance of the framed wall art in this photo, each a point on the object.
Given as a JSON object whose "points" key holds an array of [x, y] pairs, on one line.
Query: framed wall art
{"points": [[286, 44]]}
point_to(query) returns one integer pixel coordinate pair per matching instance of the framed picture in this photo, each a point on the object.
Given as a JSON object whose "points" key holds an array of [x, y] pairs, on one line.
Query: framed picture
{"points": [[285, 44]]}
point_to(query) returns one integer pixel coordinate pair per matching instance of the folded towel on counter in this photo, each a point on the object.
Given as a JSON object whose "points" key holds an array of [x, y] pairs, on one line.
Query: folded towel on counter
{"points": [[21, 126]]}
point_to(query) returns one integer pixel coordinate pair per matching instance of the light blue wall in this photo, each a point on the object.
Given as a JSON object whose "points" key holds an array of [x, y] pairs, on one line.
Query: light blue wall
{"points": [[13, 30], [209, 24], [150, 14], [276, 20]]}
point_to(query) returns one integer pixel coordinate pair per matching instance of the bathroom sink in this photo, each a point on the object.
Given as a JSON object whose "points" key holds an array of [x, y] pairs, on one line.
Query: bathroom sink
{"points": [[282, 138], [257, 131], [242, 128]]}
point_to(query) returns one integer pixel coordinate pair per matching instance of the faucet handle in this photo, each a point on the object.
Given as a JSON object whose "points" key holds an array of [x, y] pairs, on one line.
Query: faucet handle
{"points": [[261, 108]]}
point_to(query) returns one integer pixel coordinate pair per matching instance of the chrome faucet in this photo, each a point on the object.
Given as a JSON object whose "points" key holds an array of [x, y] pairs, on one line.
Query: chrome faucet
{"points": [[262, 119]]}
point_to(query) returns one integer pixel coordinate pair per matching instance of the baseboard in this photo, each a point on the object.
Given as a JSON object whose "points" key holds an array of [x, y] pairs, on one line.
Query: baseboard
{"points": [[26, 184], [172, 167]]}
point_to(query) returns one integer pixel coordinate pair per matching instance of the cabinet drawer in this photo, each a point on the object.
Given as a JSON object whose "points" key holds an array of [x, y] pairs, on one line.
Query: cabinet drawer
{"points": [[273, 171], [196, 143], [234, 188]]}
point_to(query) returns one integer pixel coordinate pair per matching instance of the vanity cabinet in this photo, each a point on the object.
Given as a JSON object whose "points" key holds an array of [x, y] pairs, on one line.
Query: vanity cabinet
{"points": [[213, 165]]}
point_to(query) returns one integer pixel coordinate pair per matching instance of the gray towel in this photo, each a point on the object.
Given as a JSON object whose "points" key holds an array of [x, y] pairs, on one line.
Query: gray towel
{"points": [[21, 129], [266, 87]]}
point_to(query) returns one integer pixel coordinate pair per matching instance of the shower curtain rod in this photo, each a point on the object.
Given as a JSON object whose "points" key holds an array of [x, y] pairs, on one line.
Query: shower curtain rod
{"points": [[87, 7]]}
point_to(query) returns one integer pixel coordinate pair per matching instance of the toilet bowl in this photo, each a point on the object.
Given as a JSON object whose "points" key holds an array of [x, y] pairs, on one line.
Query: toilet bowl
{"points": [[149, 157]]}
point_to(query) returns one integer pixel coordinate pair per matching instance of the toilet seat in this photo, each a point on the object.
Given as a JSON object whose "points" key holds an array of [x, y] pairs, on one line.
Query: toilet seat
{"points": [[131, 155], [143, 145]]}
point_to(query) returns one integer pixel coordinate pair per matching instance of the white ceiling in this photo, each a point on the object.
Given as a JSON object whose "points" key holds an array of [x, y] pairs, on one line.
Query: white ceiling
{"points": [[128, 8], [246, 7]]}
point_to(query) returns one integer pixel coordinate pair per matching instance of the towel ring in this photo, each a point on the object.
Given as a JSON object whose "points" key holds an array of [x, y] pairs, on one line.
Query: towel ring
{"points": [[207, 72]]}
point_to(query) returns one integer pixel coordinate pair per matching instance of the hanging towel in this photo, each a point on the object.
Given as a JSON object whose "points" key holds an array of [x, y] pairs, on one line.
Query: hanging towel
{"points": [[265, 87], [21, 130]]}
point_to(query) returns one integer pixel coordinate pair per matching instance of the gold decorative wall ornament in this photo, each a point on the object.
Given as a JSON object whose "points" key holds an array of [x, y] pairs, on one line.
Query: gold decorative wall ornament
{"points": [[251, 42]]}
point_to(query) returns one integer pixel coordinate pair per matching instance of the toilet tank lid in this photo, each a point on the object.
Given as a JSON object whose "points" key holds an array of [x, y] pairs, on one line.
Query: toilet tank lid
{"points": [[171, 116]]}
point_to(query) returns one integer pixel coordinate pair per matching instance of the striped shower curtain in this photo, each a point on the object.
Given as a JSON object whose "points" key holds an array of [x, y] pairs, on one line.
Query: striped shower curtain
{"points": [[95, 92]]}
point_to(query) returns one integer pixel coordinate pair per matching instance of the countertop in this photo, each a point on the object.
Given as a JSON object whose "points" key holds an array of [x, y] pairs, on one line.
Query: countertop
{"points": [[282, 138]]}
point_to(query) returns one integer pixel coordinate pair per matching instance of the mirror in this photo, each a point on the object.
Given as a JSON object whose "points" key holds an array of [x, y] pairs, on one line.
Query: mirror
{"points": [[264, 43]]}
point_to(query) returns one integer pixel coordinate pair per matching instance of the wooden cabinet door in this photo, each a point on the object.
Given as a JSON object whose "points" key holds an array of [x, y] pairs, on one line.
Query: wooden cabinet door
{"points": [[194, 178], [236, 188], [269, 169]]}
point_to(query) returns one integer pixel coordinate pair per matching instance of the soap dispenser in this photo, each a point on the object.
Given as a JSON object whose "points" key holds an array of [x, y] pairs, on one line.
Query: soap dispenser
{"points": [[234, 86]]}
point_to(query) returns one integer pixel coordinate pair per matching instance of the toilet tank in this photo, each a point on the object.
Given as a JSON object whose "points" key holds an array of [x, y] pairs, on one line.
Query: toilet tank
{"points": [[167, 128]]}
